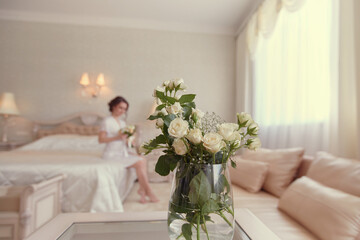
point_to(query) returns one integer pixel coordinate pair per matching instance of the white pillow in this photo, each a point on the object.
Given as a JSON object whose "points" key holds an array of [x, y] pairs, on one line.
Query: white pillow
{"points": [[283, 165], [327, 212], [65, 142], [248, 174], [335, 172]]}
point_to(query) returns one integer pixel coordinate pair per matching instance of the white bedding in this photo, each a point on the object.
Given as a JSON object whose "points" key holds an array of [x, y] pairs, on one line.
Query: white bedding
{"points": [[91, 185]]}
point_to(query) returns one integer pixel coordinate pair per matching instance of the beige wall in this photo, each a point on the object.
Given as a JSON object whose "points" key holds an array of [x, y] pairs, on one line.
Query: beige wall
{"points": [[357, 58], [42, 64]]}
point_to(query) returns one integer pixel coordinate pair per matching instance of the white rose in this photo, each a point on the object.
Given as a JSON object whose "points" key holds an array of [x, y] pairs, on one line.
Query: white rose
{"points": [[164, 112], [226, 130], [237, 143], [183, 86], [195, 136], [171, 85], [159, 123], [179, 146], [235, 136], [254, 128], [175, 108], [178, 128], [158, 101], [166, 83], [255, 144], [245, 117], [213, 142], [160, 89], [198, 113], [178, 82]]}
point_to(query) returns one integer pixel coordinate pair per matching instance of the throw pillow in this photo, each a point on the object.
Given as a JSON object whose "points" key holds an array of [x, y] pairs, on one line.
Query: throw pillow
{"points": [[340, 173], [248, 174], [283, 165], [327, 212]]}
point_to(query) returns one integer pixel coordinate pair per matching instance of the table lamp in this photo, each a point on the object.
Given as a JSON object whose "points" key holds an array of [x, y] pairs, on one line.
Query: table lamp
{"points": [[7, 107]]}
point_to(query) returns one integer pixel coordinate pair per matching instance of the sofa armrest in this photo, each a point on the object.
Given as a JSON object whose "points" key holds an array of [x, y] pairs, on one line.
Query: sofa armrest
{"points": [[253, 227]]}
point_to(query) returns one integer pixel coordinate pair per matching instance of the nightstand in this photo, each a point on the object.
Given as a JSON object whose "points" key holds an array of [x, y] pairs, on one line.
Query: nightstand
{"points": [[7, 146]]}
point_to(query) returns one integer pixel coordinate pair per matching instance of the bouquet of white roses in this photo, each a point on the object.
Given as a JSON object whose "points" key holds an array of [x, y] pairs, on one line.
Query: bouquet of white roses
{"points": [[129, 130], [191, 141]]}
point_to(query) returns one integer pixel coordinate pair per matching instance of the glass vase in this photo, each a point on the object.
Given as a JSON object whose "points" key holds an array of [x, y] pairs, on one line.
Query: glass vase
{"points": [[201, 205]]}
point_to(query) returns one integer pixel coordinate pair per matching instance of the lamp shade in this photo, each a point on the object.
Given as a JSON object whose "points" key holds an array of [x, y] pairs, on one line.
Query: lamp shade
{"points": [[100, 80], [85, 79], [7, 104]]}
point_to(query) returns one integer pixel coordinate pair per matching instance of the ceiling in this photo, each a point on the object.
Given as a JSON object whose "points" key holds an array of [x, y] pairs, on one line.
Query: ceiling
{"points": [[205, 16]]}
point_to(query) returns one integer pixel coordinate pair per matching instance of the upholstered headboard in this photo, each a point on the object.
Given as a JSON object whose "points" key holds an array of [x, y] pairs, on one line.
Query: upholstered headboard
{"points": [[69, 128], [84, 123]]}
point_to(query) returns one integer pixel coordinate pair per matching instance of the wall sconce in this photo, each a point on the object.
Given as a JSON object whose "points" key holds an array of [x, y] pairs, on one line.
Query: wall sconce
{"points": [[94, 90], [7, 107]]}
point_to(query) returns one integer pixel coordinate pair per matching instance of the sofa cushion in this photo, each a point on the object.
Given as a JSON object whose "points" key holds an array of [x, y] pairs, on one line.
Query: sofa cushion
{"points": [[249, 175], [282, 224], [283, 165], [246, 199], [329, 213], [340, 173]]}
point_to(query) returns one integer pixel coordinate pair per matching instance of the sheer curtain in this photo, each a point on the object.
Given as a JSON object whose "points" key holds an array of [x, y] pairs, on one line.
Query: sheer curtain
{"points": [[295, 78]]}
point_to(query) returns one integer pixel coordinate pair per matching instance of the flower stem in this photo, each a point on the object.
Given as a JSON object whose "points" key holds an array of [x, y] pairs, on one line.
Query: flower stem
{"points": [[226, 220], [230, 211], [198, 228], [206, 231], [179, 236]]}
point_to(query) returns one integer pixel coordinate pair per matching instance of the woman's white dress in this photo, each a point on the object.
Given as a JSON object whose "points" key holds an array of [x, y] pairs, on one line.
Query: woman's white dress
{"points": [[116, 150]]}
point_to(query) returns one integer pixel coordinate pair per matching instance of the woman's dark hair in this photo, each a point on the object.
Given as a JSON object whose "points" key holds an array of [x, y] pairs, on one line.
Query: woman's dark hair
{"points": [[116, 101]]}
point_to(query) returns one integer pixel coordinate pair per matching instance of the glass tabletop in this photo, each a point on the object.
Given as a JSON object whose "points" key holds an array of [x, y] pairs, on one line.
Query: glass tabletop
{"points": [[149, 230]]}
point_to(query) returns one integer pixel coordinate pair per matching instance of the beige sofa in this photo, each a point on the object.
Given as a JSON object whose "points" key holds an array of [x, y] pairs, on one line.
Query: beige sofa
{"points": [[313, 215], [298, 217], [267, 179]]}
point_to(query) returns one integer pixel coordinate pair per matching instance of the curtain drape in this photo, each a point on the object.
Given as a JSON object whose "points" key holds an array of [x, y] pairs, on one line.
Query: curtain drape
{"points": [[335, 127], [289, 43], [292, 79]]}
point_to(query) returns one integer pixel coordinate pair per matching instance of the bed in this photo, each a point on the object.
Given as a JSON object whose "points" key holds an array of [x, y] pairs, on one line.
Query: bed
{"points": [[92, 184]]}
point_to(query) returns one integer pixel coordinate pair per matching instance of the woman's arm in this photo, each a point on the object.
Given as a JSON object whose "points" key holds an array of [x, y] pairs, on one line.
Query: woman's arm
{"points": [[103, 138]]}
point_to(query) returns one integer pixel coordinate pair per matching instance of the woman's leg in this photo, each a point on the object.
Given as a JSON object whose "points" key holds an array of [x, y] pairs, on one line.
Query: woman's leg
{"points": [[145, 189]]}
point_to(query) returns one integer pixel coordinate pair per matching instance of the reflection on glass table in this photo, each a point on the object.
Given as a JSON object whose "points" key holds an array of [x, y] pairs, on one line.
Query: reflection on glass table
{"points": [[149, 230]]}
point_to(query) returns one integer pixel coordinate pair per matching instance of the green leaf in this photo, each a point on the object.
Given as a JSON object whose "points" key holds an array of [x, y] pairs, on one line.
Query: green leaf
{"points": [[172, 217], [168, 118], [190, 217], [173, 161], [186, 231], [189, 104], [162, 166], [187, 112], [165, 164], [187, 98], [153, 117], [199, 189], [233, 164], [158, 108], [222, 184], [177, 208], [210, 206], [171, 100], [161, 139], [161, 96]]}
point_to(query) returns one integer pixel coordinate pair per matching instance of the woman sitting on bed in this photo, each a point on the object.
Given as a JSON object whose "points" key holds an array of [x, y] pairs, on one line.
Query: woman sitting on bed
{"points": [[116, 146]]}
